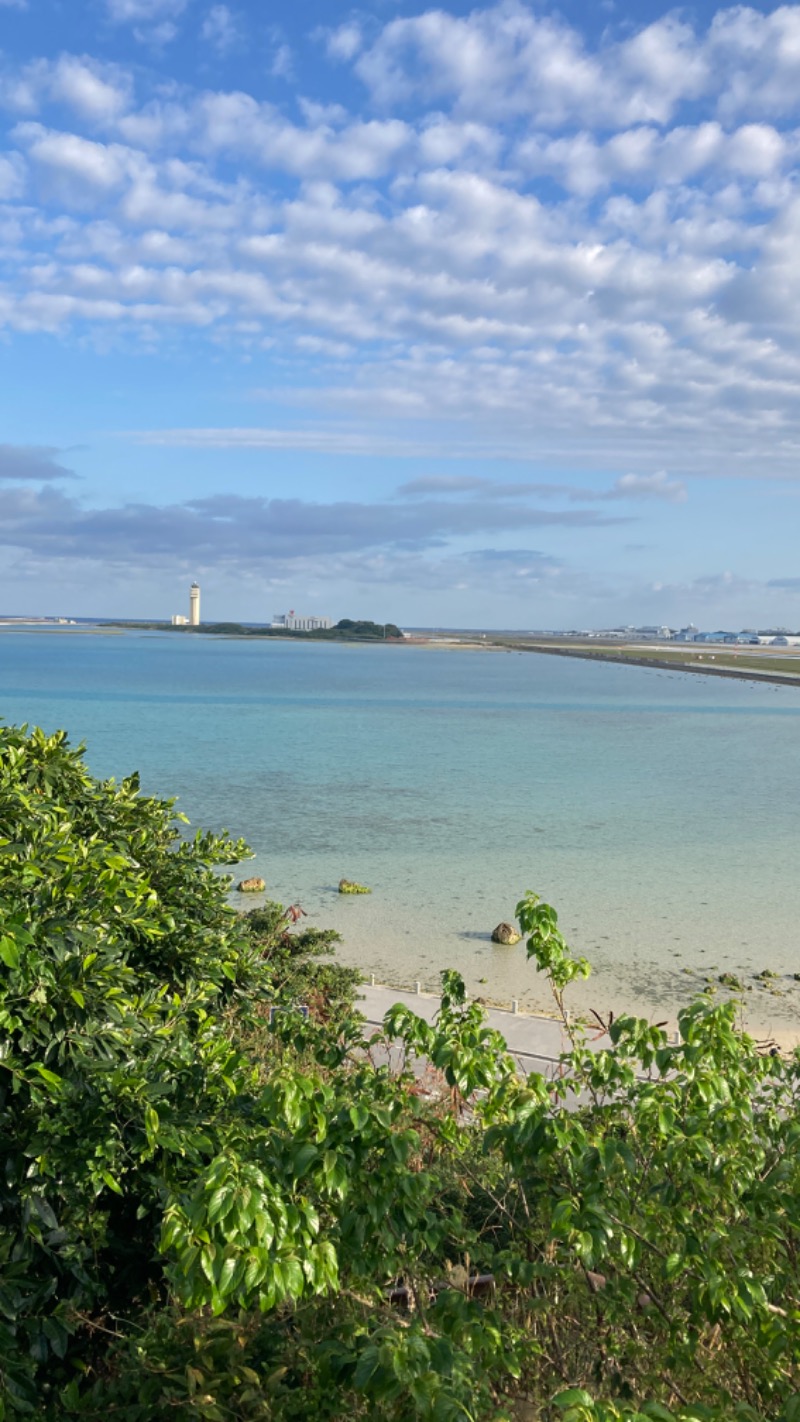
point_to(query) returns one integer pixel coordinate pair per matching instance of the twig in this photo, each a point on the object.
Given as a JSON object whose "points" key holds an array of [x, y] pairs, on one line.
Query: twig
{"points": [[674, 1386]]}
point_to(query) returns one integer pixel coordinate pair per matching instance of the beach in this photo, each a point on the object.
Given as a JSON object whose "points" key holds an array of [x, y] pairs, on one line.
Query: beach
{"points": [[655, 809]]}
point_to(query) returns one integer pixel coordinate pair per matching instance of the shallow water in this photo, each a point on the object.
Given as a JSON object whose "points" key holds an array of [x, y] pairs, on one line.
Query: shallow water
{"points": [[656, 810]]}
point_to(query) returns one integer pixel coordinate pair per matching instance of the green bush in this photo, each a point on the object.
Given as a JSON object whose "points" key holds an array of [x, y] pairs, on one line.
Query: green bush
{"points": [[210, 1209]]}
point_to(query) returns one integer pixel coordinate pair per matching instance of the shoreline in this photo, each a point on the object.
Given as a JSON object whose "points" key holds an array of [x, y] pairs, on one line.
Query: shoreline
{"points": [[738, 674], [754, 1018], [454, 644], [516, 1022], [761, 1025]]}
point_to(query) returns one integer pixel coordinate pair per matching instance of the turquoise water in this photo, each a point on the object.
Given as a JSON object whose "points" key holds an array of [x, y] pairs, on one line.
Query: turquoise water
{"points": [[656, 810]]}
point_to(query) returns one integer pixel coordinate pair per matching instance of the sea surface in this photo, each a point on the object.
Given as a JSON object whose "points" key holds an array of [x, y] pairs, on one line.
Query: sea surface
{"points": [[658, 811]]}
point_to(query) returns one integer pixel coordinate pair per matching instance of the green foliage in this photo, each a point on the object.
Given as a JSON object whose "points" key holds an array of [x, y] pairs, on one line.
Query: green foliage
{"points": [[215, 1206], [291, 955], [546, 943], [345, 630], [368, 631], [349, 886], [122, 1081]]}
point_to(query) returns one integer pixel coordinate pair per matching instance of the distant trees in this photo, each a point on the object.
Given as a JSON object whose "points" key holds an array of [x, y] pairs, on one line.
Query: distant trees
{"points": [[345, 629], [214, 1206], [368, 630]]}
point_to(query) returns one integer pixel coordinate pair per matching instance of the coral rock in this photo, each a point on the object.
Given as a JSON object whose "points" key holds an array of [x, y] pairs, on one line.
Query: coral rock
{"points": [[251, 886], [505, 933], [348, 886]]}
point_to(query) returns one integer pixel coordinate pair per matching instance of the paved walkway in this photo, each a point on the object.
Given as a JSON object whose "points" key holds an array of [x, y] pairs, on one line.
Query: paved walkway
{"points": [[536, 1042]]}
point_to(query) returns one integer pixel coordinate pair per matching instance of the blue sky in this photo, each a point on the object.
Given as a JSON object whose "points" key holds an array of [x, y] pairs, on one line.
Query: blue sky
{"points": [[472, 315]]}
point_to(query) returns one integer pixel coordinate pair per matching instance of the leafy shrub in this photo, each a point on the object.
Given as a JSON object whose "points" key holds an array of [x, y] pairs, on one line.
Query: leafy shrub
{"points": [[210, 1209]]}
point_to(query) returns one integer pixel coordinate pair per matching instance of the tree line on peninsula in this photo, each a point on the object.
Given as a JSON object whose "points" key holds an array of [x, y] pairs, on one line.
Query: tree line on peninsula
{"points": [[346, 629]]}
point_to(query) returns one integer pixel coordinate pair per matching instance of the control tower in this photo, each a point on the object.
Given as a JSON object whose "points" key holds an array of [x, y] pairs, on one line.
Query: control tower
{"points": [[194, 605]]}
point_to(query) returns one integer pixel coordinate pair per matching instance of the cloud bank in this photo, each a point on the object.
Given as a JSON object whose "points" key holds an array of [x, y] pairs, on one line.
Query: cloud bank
{"points": [[31, 462], [588, 247]]}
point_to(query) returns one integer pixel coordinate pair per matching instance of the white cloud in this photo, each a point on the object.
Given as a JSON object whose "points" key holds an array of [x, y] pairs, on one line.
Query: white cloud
{"points": [[506, 59], [152, 21], [443, 141], [589, 286], [757, 60], [91, 90], [12, 177], [19, 88], [71, 167], [316, 441], [157, 36], [220, 29], [650, 486], [344, 42], [238, 124], [282, 65], [127, 12], [646, 157], [628, 486]]}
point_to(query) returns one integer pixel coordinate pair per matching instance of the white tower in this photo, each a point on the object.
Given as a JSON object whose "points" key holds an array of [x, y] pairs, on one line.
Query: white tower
{"points": [[194, 605]]}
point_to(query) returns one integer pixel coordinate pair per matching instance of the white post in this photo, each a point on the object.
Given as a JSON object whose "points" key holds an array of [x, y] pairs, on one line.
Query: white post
{"points": [[514, 1005], [418, 987]]}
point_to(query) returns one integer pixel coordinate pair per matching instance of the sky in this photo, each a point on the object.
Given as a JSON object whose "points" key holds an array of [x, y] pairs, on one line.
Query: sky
{"points": [[471, 315]]}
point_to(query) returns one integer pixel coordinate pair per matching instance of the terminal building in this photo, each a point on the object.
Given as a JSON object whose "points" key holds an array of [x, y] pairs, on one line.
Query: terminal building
{"points": [[293, 622]]}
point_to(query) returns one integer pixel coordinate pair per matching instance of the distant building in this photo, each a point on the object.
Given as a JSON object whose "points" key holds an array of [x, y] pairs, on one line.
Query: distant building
{"points": [[194, 605], [293, 622], [178, 620]]}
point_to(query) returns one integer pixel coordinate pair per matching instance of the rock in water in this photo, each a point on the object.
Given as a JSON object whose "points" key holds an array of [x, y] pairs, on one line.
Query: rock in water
{"points": [[348, 886], [506, 933], [251, 886]]}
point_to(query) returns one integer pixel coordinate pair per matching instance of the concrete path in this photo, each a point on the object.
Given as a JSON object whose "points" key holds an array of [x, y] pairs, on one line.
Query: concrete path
{"points": [[536, 1042]]}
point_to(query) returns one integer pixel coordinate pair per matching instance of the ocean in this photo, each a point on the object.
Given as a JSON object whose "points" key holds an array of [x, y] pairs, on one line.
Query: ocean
{"points": [[657, 811]]}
